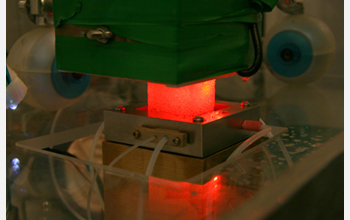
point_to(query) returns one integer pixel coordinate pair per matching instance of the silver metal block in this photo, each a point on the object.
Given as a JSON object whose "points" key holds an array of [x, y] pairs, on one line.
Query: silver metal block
{"points": [[203, 138]]}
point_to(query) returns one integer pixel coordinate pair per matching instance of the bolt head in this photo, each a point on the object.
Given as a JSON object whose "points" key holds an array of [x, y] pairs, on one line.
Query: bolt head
{"points": [[176, 141], [136, 134], [245, 104], [120, 108], [198, 119]]}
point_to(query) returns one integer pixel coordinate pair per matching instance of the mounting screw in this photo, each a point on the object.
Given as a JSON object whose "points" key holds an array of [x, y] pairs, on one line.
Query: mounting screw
{"points": [[176, 141], [120, 108], [136, 134], [245, 104], [198, 119]]}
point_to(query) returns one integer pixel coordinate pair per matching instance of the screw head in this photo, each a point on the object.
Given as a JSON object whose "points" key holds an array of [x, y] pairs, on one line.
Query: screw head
{"points": [[198, 119], [176, 141], [136, 134], [120, 108], [245, 104]]}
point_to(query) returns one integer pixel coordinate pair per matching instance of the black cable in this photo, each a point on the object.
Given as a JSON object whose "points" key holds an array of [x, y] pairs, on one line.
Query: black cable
{"points": [[257, 52]]}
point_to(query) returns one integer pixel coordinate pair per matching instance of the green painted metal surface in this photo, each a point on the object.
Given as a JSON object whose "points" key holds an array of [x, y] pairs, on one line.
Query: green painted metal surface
{"points": [[177, 41]]}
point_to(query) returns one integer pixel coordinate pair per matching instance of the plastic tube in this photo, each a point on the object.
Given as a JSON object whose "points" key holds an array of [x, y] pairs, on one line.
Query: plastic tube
{"points": [[93, 180], [59, 192], [94, 142], [155, 154], [131, 149], [249, 141], [54, 179], [88, 209], [143, 187], [91, 169], [281, 145]]}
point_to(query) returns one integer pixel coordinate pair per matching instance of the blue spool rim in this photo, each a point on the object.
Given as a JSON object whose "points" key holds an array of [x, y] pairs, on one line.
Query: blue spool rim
{"points": [[292, 42], [69, 85]]}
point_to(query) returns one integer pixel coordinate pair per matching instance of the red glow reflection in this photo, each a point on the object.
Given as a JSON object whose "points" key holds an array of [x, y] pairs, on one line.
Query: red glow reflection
{"points": [[186, 101], [193, 201]]}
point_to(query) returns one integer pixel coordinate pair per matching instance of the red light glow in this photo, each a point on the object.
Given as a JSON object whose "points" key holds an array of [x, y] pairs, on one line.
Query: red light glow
{"points": [[192, 201], [186, 101]]}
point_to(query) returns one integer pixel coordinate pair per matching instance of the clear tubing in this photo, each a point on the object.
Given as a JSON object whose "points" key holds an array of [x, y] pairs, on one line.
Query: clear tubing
{"points": [[59, 192], [53, 126], [143, 187], [88, 209], [91, 157], [54, 179], [155, 154], [94, 142], [249, 141], [131, 149], [270, 135], [283, 148], [93, 180]]}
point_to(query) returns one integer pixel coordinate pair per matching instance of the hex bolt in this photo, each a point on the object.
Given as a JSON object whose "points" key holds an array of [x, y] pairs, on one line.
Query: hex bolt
{"points": [[198, 119], [120, 108], [245, 104], [136, 134], [176, 141]]}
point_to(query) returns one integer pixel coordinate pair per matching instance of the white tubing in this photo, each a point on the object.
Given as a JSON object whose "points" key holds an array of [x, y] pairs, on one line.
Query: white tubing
{"points": [[54, 122], [110, 165], [149, 171], [249, 141], [88, 208], [155, 154], [91, 169], [131, 149], [94, 142], [270, 135], [280, 143], [54, 179]]}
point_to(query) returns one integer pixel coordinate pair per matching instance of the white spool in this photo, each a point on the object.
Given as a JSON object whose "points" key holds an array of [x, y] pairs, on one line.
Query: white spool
{"points": [[31, 59], [312, 43]]}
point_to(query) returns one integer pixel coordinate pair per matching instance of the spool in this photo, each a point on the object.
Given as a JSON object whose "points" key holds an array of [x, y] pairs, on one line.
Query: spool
{"points": [[32, 59], [299, 49]]}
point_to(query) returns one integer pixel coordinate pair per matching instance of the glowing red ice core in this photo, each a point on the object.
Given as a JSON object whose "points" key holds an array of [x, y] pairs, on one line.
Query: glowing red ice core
{"points": [[186, 101]]}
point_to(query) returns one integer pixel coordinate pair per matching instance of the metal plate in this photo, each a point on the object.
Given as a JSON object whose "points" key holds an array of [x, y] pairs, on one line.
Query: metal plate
{"points": [[203, 138]]}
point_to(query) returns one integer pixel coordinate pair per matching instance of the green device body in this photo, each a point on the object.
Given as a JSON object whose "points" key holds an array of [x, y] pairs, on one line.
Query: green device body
{"points": [[170, 42]]}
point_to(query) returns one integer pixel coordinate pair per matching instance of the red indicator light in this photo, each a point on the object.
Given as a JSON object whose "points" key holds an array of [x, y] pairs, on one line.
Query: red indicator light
{"points": [[186, 101], [215, 178]]}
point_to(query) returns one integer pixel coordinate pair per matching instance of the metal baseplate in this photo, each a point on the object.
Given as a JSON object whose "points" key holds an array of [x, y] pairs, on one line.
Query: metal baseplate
{"points": [[198, 137]]}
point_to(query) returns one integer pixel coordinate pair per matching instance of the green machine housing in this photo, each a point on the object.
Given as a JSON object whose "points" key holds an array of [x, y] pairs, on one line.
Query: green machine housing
{"points": [[164, 41]]}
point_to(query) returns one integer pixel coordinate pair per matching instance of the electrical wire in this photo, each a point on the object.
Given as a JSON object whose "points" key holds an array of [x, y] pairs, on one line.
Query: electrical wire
{"points": [[265, 130]]}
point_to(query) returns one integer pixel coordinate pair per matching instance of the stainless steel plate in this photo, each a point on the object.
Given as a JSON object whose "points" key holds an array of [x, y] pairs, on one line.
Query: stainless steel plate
{"points": [[203, 138]]}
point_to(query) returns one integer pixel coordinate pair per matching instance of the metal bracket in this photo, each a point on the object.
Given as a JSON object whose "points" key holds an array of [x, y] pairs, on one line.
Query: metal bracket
{"points": [[178, 139], [38, 11], [101, 34]]}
